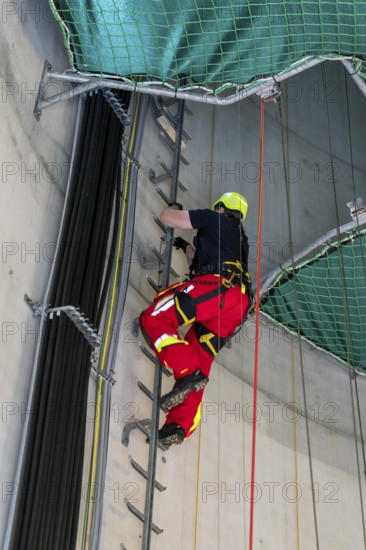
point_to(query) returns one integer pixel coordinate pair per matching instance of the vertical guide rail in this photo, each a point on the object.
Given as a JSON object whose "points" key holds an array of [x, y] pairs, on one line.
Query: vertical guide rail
{"points": [[149, 495]]}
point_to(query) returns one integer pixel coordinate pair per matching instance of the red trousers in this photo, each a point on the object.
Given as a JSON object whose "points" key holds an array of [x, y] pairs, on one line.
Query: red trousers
{"points": [[220, 314]]}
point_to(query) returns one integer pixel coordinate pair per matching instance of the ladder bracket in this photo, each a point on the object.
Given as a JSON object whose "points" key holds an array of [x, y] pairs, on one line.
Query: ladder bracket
{"points": [[67, 92], [37, 308], [128, 429], [157, 179], [168, 173], [144, 427]]}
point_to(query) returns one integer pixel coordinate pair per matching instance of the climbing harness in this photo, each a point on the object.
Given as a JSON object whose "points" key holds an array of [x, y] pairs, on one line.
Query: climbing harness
{"points": [[232, 273]]}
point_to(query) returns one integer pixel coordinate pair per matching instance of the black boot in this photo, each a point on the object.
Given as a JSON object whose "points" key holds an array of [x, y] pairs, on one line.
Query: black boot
{"points": [[171, 434], [182, 387]]}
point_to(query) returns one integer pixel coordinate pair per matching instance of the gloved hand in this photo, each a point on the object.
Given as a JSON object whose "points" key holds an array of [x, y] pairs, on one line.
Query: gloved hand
{"points": [[180, 243], [177, 205]]}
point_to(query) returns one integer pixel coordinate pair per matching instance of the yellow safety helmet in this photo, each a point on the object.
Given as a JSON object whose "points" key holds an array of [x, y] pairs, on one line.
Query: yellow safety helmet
{"points": [[233, 201]]}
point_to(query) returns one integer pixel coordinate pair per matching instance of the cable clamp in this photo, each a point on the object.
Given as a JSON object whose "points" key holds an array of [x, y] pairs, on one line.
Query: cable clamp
{"points": [[269, 92], [357, 207], [104, 375], [132, 159]]}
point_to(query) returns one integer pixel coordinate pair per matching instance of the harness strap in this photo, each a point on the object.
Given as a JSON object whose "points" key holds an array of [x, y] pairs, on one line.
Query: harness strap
{"points": [[221, 289], [185, 305], [223, 266], [234, 272], [211, 342]]}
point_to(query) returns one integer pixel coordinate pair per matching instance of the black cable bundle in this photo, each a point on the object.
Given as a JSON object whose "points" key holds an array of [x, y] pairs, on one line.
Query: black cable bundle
{"points": [[47, 510]]}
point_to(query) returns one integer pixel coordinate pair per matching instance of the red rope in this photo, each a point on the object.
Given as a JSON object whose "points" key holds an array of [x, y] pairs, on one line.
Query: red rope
{"points": [[256, 348]]}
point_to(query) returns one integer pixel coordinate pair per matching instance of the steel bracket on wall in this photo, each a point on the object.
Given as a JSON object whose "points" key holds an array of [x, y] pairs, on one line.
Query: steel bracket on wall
{"points": [[51, 91], [73, 313]]}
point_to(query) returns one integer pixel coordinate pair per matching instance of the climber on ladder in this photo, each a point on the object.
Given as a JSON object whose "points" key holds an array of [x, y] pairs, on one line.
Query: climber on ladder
{"points": [[214, 301]]}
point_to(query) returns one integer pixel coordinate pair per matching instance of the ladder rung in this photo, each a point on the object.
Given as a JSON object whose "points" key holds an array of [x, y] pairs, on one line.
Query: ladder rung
{"points": [[169, 125], [152, 358], [165, 167], [174, 273], [144, 473], [164, 117], [148, 353], [145, 390], [141, 425], [156, 252], [166, 371], [170, 174], [187, 110], [170, 144], [152, 283], [141, 517], [162, 194], [158, 222]]}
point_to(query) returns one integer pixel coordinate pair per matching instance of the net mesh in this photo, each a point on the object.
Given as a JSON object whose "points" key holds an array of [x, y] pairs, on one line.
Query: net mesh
{"points": [[325, 301], [215, 44]]}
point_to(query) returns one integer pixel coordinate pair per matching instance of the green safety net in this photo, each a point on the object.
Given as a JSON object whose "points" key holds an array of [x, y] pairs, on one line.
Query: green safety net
{"points": [[327, 302], [215, 44]]}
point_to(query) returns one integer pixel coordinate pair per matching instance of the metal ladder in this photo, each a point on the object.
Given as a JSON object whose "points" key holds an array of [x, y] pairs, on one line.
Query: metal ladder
{"points": [[172, 134]]}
